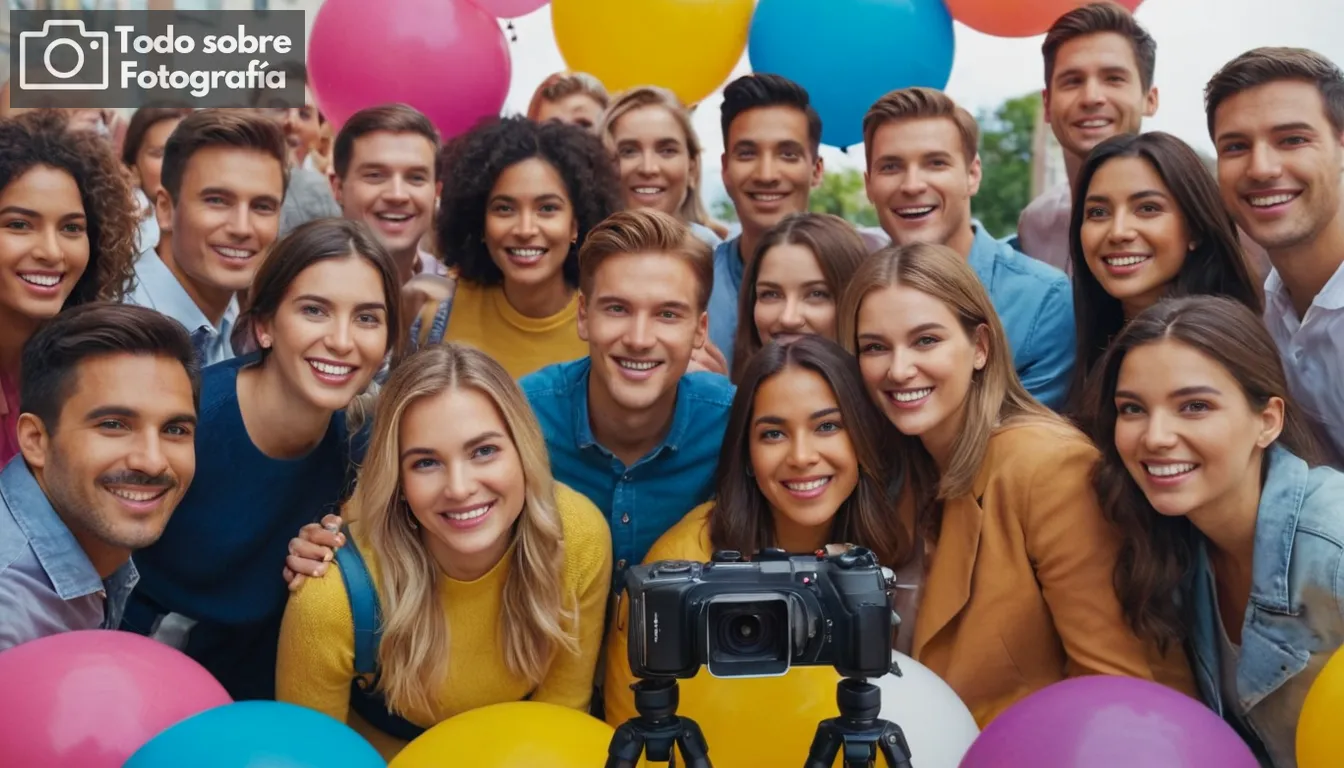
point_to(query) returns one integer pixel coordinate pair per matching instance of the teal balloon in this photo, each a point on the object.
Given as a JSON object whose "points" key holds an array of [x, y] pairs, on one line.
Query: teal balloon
{"points": [[258, 734], [849, 53]]}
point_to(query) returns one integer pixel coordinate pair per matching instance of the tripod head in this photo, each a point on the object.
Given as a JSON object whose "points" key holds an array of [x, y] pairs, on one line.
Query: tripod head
{"points": [[657, 730]]}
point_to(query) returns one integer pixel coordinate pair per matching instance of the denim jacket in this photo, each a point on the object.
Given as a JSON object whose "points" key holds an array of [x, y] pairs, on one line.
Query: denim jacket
{"points": [[1295, 617]]}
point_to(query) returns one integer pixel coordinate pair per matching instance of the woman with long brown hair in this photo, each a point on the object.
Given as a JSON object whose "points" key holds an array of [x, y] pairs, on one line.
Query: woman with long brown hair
{"points": [[1017, 559], [1233, 540]]}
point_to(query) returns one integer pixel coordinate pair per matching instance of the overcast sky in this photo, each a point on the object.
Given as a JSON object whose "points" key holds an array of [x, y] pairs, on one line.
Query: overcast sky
{"points": [[1194, 38]]}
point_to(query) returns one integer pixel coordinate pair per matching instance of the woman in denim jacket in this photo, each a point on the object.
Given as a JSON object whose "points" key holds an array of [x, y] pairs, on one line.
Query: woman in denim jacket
{"points": [[1233, 539]]}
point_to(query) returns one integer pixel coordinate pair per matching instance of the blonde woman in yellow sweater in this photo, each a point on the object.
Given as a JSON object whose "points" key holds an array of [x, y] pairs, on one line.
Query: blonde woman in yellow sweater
{"points": [[470, 576]]}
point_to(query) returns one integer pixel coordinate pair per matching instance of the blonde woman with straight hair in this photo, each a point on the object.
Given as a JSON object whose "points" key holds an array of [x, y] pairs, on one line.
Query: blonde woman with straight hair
{"points": [[470, 576], [1018, 560], [649, 133]]}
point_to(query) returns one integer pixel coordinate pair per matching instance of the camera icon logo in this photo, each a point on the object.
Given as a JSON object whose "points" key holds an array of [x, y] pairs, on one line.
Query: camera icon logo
{"points": [[89, 72]]}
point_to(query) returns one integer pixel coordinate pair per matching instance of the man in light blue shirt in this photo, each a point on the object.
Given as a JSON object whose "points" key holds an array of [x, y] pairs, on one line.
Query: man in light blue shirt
{"points": [[627, 426], [107, 451], [923, 170], [224, 179]]}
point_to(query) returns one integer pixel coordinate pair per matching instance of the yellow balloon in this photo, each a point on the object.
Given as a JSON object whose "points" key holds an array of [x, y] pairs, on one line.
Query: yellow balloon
{"points": [[520, 734], [1320, 740], [687, 46]]}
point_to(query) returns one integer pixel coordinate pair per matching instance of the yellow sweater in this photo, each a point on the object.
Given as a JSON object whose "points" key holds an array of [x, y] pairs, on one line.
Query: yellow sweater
{"points": [[316, 660], [483, 318]]}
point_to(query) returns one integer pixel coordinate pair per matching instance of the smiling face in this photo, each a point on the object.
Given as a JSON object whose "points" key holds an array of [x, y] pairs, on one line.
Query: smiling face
{"points": [[1096, 92], [802, 456], [575, 109], [329, 335], [768, 168], [530, 223], [463, 479], [921, 182], [1185, 430], [390, 186], [793, 298], [653, 159], [1279, 163], [918, 362], [1134, 235], [44, 244]]}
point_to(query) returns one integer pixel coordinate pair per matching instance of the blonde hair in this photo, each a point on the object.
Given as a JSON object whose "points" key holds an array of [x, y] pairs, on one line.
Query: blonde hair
{"points": [[916, 104], [692, 209], [644, 230], [562, 85], [996, 399], [536, 619]]}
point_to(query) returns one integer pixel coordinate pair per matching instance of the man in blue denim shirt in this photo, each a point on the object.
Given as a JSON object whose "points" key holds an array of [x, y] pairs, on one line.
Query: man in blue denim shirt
{"points": [[923, 170], [627, 426], [106, 431]]}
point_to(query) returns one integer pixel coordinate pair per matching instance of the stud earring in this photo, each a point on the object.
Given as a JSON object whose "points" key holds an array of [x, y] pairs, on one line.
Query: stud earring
{"points": [[265, 342]]}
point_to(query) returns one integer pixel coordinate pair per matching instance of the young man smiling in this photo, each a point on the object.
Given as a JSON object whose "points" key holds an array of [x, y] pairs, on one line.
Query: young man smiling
{"points": [[1276, 117], [923, 170], [224, 178], [627, 426]]}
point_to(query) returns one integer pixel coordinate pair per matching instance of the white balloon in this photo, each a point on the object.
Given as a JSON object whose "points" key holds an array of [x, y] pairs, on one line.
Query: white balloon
{"points": [[937, 725]]}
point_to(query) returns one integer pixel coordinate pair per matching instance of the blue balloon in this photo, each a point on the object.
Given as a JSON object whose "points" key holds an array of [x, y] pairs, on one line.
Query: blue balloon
{"points": [[258, 734], [849, 53]]}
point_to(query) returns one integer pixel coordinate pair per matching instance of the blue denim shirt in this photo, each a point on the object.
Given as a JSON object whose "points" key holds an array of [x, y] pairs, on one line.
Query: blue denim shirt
{"points": [[723, 297], [47, 584], [1035, 304], [1295, 617], [645, 499]]}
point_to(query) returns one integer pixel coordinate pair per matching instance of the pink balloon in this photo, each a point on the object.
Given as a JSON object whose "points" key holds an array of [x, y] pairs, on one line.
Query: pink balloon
{"points": [[90, 699], [446, 58], [509, 9]]}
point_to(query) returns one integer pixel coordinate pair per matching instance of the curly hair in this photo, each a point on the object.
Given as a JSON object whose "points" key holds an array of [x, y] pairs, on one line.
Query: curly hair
{"points": [[473, 164], [41, 138]]}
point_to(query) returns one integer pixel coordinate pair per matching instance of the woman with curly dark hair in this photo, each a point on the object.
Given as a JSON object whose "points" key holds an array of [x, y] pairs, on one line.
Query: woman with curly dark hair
{"points": [[67, 236], [518, 200]]}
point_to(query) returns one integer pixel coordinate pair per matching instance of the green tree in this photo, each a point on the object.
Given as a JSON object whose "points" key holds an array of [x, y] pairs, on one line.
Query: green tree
{"points": [[842, 193], [723, 210], [1006, 146]]}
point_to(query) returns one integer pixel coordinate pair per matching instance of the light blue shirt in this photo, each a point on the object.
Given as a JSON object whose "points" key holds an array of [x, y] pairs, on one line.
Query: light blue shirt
{"points": [[47, 584], [723, 298], [157, 288], [641, 501], [1295, 618], [1034, 302], [705, 234]]}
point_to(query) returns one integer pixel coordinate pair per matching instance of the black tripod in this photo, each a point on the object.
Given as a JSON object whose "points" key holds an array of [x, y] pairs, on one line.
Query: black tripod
{"points": [[859, 731], [658, 731]]}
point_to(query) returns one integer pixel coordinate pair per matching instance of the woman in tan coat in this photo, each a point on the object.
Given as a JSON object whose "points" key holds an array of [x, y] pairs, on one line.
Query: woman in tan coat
{"points": [[1017, 565]]}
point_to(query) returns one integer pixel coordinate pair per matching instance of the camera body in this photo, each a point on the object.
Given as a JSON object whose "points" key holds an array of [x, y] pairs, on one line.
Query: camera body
{"points": [[759, 618]]}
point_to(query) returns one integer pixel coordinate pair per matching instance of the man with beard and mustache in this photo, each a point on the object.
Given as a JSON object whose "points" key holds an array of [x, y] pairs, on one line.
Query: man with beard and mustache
{"points": [[107, 438]]}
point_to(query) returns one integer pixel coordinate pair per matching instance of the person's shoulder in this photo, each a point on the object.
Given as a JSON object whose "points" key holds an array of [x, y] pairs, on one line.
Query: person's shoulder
{"points": [[711, 389], [326, 600], [553, 379], [1026, 269], [1033, 442], [687, 540], [583, 523], [1322, 502]]}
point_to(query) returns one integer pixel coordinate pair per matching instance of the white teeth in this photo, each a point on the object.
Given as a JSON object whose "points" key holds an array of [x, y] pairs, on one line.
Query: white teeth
{"points": [[331, 370], [914, 211], [912, 395], [1095, 123], [395, 217], [233, 253], [1270, 200], [638, 365], [527, 253], [46, 281], [767, 197], [1124, 261], [648, 190], [470, 514], [136, 495], [1168, 470], [810, 485]]}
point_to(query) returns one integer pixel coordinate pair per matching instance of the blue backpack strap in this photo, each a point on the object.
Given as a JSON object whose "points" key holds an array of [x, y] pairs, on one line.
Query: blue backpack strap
{"points": [[440, 325], [363, 605]]}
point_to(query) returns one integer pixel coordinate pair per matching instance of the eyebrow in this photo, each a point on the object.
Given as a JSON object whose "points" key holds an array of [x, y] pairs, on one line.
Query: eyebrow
{"points": [[512, 199], [472, 443], [1182, 392], [1281, 128], [121, 411], [380, 165], [922, 327], [606, 298], [324, 301], [1140, 195], [824, 412]]}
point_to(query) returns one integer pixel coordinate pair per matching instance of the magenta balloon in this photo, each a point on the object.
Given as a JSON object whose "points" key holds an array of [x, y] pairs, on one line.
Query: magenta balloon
{"points": [[446, 58], [509, 9], [1102, 721], [90, 699]]}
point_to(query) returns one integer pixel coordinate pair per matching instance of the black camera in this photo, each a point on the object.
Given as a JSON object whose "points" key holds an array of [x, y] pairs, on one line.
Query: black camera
{"points": [[759, 618]]}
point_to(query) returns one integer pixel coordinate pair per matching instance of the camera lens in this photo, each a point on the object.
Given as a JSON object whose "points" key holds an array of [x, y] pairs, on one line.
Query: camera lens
{"points": [[747, 634]]}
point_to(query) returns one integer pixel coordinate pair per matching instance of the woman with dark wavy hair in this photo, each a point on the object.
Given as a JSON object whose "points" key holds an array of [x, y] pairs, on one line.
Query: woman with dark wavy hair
{"points": [[67, 236], [1148, 223], [1233, 540], [519, 198]]}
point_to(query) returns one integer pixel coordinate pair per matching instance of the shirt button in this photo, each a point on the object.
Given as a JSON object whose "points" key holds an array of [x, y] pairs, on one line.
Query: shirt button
{"points": [[626, 478], [625, 519], [620, 563]]}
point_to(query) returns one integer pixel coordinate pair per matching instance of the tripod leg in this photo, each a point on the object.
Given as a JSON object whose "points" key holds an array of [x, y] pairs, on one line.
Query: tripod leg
{"points": [[825, 746], [894, 747], [626, 747], [691, 740]]}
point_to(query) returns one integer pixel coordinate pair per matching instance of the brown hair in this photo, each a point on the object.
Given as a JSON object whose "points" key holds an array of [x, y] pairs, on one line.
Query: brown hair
{"points": [[144, 119], [692, 209], [645, 230], [1155, 549], [741, 519], [208, 128], [562, 85], [919, 103], [392, 118], [838, 249], [996, 398], [1095, 19], [1262, 66]]}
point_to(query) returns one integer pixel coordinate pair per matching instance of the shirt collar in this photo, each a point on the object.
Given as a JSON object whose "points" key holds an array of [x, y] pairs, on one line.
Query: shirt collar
{"points": [[583, 427], [1280, 507], [171, 299], [984, 250], [732, 258], [61, 557]]}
